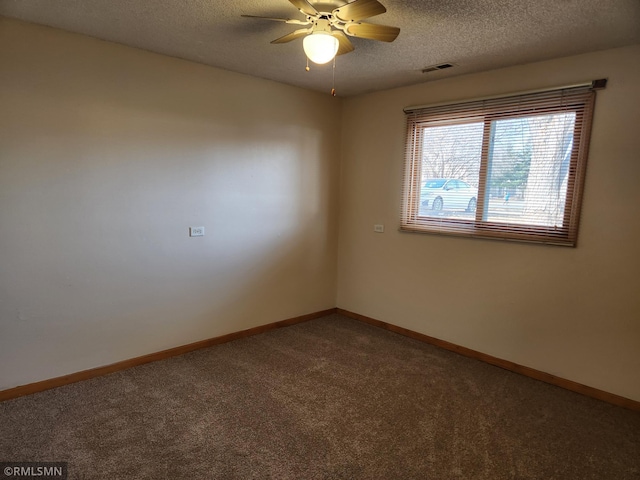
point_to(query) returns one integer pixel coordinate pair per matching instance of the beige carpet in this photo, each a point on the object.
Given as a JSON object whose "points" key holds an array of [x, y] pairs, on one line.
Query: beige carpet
{"points": [[327, 399]]}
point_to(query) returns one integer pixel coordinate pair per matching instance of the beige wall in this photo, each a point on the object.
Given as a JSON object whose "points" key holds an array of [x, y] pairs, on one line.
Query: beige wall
{"points": [[574, 313], [107, 155]]}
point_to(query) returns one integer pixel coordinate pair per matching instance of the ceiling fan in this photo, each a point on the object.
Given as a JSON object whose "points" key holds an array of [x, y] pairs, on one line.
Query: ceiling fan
{"points": [[327, 27]]}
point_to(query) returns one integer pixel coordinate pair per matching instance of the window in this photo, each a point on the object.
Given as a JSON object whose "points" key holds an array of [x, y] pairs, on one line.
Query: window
{"points": [[509, 168]]}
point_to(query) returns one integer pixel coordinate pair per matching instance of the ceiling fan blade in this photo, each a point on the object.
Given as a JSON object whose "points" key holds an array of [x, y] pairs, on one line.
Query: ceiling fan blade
{"points": [[382, 33], [292, 21], [359, 10], [345, 45], [292, 36], [305, 7]]}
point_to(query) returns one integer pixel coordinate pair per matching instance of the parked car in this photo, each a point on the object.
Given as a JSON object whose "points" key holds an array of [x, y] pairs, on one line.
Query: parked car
{"points": [[448, 194]]}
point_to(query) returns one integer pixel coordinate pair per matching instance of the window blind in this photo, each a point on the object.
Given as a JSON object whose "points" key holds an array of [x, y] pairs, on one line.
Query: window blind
{"points": [[508, 167]]}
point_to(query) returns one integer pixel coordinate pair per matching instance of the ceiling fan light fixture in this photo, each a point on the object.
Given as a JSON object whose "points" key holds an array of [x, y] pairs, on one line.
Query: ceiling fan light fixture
{"points": [[320, 47]]}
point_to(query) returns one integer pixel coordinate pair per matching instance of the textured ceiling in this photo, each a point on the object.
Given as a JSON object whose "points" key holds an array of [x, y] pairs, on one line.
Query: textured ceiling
{"points": [[474, 35]]}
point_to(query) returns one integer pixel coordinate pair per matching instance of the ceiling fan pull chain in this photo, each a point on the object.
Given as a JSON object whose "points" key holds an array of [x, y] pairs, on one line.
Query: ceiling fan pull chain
{"points": [[333, 89], [307, 67]]}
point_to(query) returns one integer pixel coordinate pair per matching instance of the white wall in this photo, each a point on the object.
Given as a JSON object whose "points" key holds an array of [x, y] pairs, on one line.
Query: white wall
{"points": [[570, 312], [107, 155]]}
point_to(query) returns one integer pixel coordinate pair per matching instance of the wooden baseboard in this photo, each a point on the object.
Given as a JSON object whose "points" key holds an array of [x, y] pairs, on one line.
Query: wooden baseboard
{"points": [[506, 364], [467, 352], [152, 357]]}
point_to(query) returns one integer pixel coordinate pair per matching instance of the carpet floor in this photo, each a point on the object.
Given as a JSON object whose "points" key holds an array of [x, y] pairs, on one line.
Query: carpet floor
{"points": [[331, 398]]}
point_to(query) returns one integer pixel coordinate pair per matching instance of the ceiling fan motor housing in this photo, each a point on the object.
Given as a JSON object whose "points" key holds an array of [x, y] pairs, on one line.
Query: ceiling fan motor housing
{"points": [[322, 25]]}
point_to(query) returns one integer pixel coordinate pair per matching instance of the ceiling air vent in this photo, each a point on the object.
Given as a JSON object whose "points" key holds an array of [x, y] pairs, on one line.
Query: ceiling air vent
{"points": [[434, 68]]}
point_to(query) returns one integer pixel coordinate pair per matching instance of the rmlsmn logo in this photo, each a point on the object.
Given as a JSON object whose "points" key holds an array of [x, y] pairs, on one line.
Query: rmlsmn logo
{"points": [[33, 470]]}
